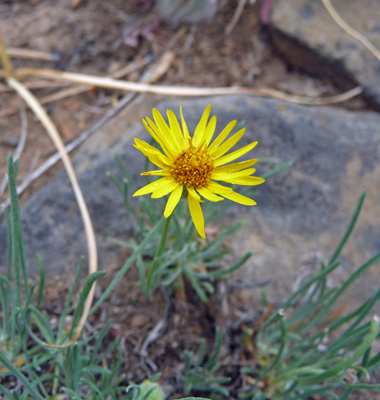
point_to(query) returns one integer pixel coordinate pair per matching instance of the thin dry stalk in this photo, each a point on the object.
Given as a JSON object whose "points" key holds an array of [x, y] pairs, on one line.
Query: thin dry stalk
{"points": [[30, 54], [41, 114], [38, 85], [351, 31], [63, 94], [5, 59], [72, 91], [235, 18], [128, 86]]}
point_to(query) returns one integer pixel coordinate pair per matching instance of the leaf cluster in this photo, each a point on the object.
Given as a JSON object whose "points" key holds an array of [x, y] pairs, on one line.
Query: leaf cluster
{"points": [[199, 373], [303, 351]]}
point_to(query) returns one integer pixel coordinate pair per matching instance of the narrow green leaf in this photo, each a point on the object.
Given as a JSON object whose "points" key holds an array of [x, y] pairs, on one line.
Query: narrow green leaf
{"points": [[74, 285], [83, 296], [334, 370], [19, 375], [41, 284], [349, 230]]}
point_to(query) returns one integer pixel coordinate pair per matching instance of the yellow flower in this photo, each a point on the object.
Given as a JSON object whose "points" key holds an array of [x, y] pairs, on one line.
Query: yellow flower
{"points": [[194, 163]]}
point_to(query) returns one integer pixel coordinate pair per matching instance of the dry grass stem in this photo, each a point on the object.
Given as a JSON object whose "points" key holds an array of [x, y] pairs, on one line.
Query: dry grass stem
{"points": [[351, 31], [63, 94], [31, 54], [39, 85], [5, 59], [81, 89], [41, 114], [128, 86]]}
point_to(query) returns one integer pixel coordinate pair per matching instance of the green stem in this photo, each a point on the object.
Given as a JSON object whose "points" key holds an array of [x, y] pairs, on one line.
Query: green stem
{"points": [[158, 255]]}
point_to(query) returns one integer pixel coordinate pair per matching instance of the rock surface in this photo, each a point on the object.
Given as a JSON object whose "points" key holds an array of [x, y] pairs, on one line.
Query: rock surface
{"points": [[301, 214], [308, 37]]}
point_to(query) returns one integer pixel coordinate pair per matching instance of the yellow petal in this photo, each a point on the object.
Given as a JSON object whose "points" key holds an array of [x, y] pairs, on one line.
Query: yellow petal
{"points": [[158, 172], [227, 145], [222, 135], [166, 131], [200, 129], [236, 166], [185, 130], [155, 159], [160, 138], [154, 155], [233, 156], [173, 200], [152, 130], [218, 189], [239, 198], [151, 187], [196, 215], [245, 180], [209, 132], [207, 194], [193, 193], [221, 176], [176, 129], [164, 189]]}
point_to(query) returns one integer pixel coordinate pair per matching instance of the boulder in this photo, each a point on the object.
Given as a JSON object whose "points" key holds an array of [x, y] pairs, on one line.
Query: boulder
{"points": [[301, 214], [308, 37]]}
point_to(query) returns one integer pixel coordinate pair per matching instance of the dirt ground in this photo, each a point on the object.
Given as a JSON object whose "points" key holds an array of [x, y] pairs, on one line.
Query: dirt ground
{"points": [[100, 38]]}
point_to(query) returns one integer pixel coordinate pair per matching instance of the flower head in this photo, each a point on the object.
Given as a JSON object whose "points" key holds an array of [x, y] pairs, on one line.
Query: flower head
{"points": [[195, 163]]}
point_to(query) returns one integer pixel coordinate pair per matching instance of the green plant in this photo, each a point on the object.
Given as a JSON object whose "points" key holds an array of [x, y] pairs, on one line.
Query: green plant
{"points": [[147, 390], [26, 334], [300, 351], [199, 374], [178, 255]]}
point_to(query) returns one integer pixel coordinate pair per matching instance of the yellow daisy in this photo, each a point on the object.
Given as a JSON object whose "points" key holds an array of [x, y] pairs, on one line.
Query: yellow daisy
{"points": [[195, 164]]}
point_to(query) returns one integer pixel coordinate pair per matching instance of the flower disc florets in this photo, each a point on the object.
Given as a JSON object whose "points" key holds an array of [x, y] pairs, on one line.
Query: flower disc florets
{"points": [[192, 168]]}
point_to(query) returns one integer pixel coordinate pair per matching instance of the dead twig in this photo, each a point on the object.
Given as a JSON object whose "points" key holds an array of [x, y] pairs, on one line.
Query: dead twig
{"points": [[351, 31]]}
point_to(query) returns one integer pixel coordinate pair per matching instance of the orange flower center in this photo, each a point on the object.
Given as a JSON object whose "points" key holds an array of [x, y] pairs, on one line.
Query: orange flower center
{"points": [[192, 168]]}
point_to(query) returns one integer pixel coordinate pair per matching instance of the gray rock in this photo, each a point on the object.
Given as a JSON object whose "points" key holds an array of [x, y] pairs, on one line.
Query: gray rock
{"points": [[301, 214], [308, 37]]}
